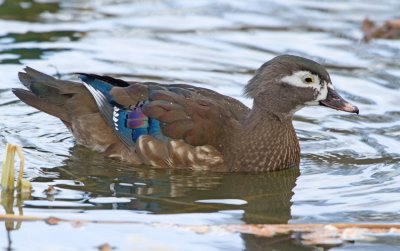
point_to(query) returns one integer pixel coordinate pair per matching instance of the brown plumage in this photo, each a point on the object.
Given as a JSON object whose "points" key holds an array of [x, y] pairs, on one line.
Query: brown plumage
{"points": [[182, 126]]}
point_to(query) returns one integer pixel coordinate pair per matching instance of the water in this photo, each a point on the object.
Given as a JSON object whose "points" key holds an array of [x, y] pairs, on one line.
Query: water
{"points": [[349, 170]]}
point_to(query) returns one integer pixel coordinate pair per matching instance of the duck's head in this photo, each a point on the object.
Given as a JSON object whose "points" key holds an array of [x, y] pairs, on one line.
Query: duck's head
{"points": [[287, 83]]}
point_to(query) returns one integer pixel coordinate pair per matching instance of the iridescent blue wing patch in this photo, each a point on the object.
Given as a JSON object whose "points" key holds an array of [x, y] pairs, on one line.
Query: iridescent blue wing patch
{"points": [[128, 123]]}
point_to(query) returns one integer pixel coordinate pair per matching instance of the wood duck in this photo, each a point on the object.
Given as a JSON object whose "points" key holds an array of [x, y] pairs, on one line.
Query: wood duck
{"points": [[183, 126]]}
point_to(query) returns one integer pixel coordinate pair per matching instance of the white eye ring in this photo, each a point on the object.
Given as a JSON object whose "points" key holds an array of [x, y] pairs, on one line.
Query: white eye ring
{"points": [[308, 79]]}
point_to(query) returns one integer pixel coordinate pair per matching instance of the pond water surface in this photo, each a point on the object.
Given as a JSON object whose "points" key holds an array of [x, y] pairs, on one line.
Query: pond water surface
{"points": [[350, 164]]}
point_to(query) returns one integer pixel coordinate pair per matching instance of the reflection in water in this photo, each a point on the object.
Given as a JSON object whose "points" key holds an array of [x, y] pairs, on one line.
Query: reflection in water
{"points": [[26, 10], [170, 191], [20, 52], [8, 200], [283, 242], [267, 194]]}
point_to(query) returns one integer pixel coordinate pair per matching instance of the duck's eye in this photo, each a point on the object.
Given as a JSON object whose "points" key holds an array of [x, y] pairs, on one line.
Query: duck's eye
{"points": [[309, 80]]}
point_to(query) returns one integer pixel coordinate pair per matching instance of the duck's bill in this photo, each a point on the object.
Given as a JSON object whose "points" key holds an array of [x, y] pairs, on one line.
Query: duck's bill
{"points": [[334, 101]]}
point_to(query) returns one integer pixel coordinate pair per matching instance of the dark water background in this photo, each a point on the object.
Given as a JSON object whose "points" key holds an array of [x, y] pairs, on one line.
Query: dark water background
{"points": [[350, 164]]}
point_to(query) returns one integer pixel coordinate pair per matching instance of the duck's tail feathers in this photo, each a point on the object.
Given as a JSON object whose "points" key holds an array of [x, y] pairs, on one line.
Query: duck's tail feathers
{"points": [[46, 93]]}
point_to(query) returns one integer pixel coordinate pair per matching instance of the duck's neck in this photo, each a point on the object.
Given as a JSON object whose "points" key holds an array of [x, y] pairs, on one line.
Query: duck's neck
{"points": [[266, 142]]}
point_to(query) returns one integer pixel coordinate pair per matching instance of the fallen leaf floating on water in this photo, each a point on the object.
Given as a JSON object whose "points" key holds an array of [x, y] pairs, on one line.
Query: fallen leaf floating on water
{"points": [[50, 190], [388, 30], [105, 247]]}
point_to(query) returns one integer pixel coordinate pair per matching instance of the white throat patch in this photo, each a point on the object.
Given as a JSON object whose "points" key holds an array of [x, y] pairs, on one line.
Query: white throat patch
{"points": [[299, 79]]}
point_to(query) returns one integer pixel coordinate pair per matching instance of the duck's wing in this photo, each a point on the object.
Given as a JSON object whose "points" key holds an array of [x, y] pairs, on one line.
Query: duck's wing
{"points": [[191, 116], [196, 115]]}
